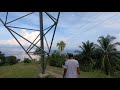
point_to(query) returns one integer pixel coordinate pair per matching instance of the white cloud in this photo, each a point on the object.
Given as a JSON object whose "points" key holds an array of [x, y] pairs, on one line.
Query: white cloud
{"points": [[117, 37], [71, 26], [30, 36], [8, 42]]}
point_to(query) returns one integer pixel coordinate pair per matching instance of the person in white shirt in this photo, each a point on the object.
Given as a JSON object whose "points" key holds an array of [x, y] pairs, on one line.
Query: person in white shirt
{"points": [[71, 68]]}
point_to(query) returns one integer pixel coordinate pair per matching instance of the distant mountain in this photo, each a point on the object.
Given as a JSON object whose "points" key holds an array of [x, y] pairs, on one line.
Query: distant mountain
{"points": [[67, 51], [19, 52]]}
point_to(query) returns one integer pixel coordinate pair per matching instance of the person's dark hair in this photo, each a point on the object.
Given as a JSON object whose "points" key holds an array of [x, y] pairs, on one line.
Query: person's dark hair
{"points": [[70, 55]]}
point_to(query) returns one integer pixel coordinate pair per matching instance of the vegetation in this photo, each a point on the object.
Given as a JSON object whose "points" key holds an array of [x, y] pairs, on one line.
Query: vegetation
{"points": [[8, 60], [61, 45], [56, 59], [11, 60], [37, 51], [86, 60], [96, 60], [31, 70], [19, 70], [2, 59], [110, 56], [103, 56], [27, 60]]}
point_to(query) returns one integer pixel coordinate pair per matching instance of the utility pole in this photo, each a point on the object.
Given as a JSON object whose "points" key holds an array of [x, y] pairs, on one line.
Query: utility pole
{"points": [[42, 42]]}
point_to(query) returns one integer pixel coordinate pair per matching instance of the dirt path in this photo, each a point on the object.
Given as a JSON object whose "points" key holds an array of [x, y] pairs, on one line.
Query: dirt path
{"points": [[54, 74]]}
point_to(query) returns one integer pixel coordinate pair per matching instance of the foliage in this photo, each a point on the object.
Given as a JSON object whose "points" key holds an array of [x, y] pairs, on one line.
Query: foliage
{"points": [[85, 56], [27, 60], [18, 60], [102, 56], [11, 60], [21, 70], [61, 45], [110, 56], [37, 51], [56, 59], [2, 59]]}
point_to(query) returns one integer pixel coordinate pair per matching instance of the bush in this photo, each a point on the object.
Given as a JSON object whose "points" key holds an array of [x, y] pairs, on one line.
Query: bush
{"points": [[2, 59], [2, 62], [11, 60], [56, 59], [18, 60], [86, 67], [27, 60]]}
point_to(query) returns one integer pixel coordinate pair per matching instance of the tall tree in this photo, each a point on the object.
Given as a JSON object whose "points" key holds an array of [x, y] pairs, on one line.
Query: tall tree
{"points": [[110, 56], [2, 58], [61, 45], [86, 53]]}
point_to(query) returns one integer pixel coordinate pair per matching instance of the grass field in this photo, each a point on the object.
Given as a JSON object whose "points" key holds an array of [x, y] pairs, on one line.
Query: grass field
{"points": [[19, 70], [32, 70]]}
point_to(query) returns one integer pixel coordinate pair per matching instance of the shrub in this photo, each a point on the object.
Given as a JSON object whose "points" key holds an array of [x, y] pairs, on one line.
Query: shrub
{"points": [[2, 62], [56, 59], [27, 60], [18, 60], [83, 66], [2, 59], [11, 60]]}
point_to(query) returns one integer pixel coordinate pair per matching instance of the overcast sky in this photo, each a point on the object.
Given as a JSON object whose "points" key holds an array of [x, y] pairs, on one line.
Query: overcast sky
{"points": [[73, 27]]}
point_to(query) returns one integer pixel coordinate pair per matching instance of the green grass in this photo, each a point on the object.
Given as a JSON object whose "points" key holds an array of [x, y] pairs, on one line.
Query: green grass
{"points": [[32, 70], [94, 74], [20, 70]]}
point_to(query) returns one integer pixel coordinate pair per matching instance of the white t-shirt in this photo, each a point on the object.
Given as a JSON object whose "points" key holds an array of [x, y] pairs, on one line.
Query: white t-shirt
{"points": [[71, 66]]}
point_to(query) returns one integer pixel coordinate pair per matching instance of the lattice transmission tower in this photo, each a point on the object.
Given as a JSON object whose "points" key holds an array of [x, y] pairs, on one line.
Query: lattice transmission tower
{"points": [[41, 37]]}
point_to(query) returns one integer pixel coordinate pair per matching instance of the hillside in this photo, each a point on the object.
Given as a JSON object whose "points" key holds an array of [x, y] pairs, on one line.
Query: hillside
{"points": [[32, 70]]}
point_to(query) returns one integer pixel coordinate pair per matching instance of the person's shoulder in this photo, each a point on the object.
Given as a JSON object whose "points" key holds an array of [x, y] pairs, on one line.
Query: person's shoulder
{"points": [[75, 60], [66, 61]]}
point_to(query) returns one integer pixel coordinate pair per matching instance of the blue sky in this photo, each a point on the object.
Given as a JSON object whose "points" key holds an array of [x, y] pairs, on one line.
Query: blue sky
{"points": [[73, 27]]}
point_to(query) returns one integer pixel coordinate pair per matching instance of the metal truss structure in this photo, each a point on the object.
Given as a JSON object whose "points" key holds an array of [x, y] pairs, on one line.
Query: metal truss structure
{"points": [[41, 36]]}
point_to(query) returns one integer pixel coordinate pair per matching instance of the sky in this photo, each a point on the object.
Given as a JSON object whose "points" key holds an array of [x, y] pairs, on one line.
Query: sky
{"points": [[73, 28]]}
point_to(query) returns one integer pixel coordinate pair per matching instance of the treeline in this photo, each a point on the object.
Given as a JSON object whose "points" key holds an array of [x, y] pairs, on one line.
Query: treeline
{"points": [[103, 56], [8, 60]]}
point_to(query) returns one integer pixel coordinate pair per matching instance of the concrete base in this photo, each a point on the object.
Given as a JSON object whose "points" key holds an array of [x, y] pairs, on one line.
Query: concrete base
{"points": [[43, 75]]}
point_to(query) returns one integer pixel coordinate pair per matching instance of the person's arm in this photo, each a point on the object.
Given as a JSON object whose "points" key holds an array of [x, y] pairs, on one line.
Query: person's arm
{"points": [[78, 70], [65, 70]]}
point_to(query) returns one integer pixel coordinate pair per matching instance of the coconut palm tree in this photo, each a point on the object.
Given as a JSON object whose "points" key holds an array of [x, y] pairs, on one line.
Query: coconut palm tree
{"points": [[61, 45], [87, 53], [110, 56]]}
